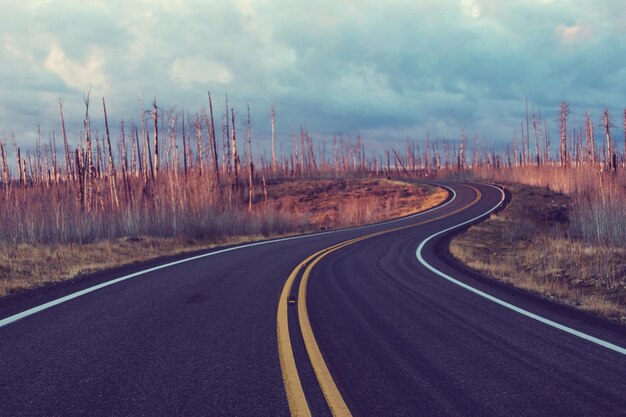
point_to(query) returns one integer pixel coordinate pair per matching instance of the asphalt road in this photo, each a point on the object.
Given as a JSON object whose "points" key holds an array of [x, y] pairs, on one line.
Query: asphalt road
{"points": [[199, 338]]}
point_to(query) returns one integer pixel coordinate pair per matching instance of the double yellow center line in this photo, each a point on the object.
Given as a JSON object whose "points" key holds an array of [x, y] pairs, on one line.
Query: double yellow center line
{"points": [[298, 405]]}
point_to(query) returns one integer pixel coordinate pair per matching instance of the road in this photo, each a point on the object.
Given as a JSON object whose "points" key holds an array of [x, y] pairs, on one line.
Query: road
{"points": [[392, 327]]}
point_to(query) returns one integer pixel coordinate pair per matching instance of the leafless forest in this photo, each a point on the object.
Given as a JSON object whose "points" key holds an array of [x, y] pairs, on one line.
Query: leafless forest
{"points": [[201, 175], [172, 174]]}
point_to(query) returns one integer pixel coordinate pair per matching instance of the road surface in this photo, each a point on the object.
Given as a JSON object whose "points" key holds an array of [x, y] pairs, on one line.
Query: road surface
{"points": [[392, 327]]}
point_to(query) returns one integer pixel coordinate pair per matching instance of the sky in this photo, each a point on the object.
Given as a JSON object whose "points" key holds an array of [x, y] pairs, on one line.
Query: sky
{"points": [[382, 69]]}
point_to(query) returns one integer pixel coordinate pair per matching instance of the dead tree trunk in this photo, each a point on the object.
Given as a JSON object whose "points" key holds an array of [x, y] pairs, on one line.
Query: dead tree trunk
{"points": [[69, 172], [537, 155], [611, 162], [589, 140], [250, 165], [461, 161], [235, 154], [140, 163], [185, 151], [548, 157], [564, 113], [155, 118], [273, 113], [112, 175], [624, 155], [199, 151], [5, 166], [89, 163], [216, 167]]}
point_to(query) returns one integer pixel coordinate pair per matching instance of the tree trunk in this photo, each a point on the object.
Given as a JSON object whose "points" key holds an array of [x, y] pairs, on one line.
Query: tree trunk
{"points": [[564, 113], [273, 131]]}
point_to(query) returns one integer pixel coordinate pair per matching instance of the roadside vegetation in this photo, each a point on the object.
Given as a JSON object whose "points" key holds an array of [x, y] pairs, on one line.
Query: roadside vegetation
{"points": [[329, 204], [536, 244], [175, 181], [564, 233], [291, 207]]}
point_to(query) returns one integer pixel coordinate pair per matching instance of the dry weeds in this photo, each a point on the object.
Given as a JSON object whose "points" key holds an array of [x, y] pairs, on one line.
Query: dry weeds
{"points": [[529, 246], [360, 202], [314, 205]]}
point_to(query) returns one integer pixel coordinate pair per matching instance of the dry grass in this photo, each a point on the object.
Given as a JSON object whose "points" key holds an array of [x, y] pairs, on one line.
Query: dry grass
{"points": [[310, 204], [529, 245], [30, 265], [360, 202], [598, 199]]}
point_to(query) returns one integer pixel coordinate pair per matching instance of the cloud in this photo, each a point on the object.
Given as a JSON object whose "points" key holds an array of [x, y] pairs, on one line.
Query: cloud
{"points": [[387, 68], [12, 47], [79, 75], [572, 34], [246, 7], [188, 72], [470, 8]]}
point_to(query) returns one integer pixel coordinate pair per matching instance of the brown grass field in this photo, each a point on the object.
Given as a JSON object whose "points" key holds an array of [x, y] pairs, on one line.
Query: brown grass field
{"points": [[315, 205], [533, 245]]}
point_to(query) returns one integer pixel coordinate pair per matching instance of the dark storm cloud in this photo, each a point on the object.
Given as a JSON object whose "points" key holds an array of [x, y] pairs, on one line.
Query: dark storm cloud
{"points": [[385, 69]]}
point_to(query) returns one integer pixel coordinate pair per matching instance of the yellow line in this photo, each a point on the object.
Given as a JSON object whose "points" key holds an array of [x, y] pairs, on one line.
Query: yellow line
{"points": [[333, 397], [298, 405]]}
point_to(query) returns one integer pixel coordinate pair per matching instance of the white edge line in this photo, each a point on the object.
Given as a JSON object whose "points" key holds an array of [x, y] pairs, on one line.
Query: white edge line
{"points": [[12, 319], [519, 310]]}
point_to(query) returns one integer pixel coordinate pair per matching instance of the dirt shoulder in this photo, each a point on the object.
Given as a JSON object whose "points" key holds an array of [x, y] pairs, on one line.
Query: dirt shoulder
{"points": [[529, 245], [319, 205]]}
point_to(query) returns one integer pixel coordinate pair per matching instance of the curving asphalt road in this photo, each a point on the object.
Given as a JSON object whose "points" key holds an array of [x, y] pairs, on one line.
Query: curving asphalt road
{"points": [[398, 337]]}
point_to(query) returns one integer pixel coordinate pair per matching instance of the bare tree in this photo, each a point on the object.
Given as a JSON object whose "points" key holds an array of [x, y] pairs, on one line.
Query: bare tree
{"points": [[5, 165], [273, 115], [68, 164], [250, 165], [548, 158], [527, 133], [624, 156], [564, 112], [535, 128], [199, 151], [461, 161], [610, 161], [235, 154], [88, 171], [111, 163], [155, 119], [589, 139], [213, 139]]}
